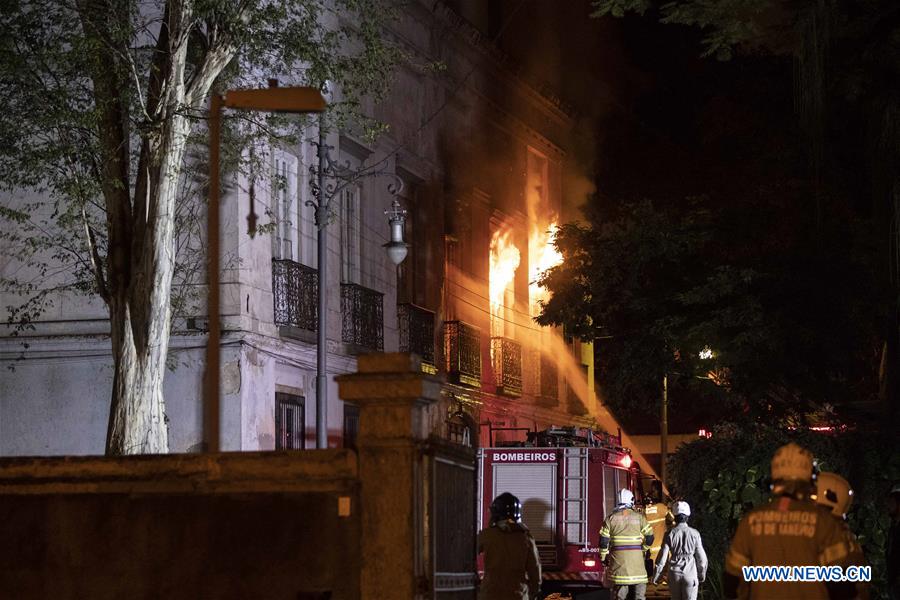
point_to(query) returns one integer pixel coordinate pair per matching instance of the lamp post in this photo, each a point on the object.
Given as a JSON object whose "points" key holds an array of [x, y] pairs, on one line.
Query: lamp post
{"points": [[272, 99], [705, 354], [664, 431], [323, 193]]}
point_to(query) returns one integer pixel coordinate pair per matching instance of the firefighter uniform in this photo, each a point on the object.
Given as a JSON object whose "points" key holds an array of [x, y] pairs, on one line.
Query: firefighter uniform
{"points": [[658, 516], [789, 532], [509, 554], [834, 493], [624, 538], [682, 549]]}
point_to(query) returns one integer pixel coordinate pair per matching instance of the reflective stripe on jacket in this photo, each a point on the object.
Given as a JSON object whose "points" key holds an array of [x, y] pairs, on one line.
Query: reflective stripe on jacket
{"points": [[787, 532], [624, 537]]}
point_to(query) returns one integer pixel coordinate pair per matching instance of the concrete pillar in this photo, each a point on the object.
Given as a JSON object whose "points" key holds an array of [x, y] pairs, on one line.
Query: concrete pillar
{"points": [[394, 397]]}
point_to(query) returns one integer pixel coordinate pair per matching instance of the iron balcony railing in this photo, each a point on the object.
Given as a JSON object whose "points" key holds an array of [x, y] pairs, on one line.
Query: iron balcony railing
{"points": [[507, 363], [295, 289], [531, 372], [462, 353], [363, 314], [549, 378], [417, 334]]}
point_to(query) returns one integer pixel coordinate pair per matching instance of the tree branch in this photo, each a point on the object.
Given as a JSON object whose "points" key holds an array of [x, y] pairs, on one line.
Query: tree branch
{"points": [[96, 261]]}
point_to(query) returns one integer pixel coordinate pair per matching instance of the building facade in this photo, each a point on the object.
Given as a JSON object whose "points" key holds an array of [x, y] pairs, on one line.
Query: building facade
{"points": [[483, 157]]}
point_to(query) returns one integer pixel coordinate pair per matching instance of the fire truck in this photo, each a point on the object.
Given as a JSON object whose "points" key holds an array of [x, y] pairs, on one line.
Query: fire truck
{"points": [[567, 479]]}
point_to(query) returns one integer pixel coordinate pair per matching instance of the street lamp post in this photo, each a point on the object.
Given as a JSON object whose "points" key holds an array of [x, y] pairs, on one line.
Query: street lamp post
{"points": [[322, 251], [705, 354], [664, 431], [272, 99], [324, 193]]}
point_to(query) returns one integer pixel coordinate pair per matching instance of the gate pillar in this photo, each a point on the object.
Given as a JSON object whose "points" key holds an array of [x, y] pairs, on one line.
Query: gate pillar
{"points": [[393, 396]]}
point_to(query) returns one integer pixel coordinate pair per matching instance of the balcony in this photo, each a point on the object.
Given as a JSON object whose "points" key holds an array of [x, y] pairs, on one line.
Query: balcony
{"points": [[295, 289], [549, 390], [363, 318], [462, 353], [417, 334], [506, 356]]}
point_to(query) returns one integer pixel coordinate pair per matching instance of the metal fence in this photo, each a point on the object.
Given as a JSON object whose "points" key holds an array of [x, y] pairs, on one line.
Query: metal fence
{"points": [[417, 334], [462, 353], [363, 316], [295, 289], [507, 362], [549, 379], [453, 525]]}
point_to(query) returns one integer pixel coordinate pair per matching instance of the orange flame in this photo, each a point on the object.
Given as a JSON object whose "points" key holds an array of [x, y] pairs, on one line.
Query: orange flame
{"points": [[542, 255], [505, 260]]}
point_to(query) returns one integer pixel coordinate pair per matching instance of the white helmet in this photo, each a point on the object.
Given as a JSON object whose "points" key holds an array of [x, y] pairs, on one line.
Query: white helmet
{"points": [[626, 498], [681, 508], [835, 492]]}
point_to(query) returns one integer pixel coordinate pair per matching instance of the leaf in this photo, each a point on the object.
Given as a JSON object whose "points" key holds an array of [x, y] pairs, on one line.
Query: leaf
{"points": [[751, 494], [752, 474]]}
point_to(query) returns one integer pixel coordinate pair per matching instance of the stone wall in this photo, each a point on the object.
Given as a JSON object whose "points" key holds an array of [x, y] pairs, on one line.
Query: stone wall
{"points": [[273, 525]]}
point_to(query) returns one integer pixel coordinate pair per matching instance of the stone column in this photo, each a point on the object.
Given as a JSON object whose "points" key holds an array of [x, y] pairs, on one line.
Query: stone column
{"points": [[394, 396]]}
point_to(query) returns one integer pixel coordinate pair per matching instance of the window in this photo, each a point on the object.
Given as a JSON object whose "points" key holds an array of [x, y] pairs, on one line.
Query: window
{"points": [[284, 204], [308, 238], [350, 221], [351, 425], [290, 430], [350, 224]]}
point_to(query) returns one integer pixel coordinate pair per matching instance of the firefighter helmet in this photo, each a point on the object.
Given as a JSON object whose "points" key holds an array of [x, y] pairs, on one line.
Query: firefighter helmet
{"points": [[681, 508], [792, 463], [835, 492], [626, 498], [506, 506]]}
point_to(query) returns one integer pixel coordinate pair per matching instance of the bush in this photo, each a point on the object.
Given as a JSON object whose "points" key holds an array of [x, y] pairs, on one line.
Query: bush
{"points": [[724, 476]]}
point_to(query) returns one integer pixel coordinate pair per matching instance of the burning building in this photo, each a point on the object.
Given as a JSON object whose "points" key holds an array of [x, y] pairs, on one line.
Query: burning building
{"points": [[487, 175]]}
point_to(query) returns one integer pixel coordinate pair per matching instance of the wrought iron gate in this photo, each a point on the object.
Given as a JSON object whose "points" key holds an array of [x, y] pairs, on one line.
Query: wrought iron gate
{"points": [[453, 526]]}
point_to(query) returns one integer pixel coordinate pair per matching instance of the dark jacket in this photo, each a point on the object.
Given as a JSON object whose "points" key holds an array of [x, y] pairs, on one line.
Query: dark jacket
{"points": [[512, 570]]}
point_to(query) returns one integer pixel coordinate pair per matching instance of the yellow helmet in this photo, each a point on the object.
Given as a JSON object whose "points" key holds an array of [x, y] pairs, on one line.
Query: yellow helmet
{"points": [[791, 462], [835, 492]]}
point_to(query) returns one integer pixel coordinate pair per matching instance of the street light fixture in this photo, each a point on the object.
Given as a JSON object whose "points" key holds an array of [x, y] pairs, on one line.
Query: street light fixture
{"points": [[272, 99], [396, 248]]}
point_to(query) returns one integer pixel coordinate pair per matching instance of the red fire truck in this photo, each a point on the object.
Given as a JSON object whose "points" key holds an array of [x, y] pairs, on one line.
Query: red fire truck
{"points": [[567, 479]]}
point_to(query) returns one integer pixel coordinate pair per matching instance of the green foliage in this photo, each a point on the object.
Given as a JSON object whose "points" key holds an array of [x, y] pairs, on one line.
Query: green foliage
{"points": [[725, 476], [656, 287], [52, 211]]}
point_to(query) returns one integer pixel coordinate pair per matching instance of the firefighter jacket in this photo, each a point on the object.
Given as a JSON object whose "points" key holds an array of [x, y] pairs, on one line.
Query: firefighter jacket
{"points": [[683, 549], [624, 537], [512, 570], [855, 557], [660, 518], [787, 532]]}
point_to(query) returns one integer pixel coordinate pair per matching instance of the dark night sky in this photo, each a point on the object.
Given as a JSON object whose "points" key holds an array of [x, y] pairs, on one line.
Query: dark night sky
{"points": [[659, 121]]}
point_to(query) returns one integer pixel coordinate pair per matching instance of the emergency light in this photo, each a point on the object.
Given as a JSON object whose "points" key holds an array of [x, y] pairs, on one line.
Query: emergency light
{"points": [[625, 461]]}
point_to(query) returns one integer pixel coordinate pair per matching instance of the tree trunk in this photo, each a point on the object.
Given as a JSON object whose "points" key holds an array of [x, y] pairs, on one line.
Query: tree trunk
{"points": [[140, 227], [140, 315], [137, 421]]}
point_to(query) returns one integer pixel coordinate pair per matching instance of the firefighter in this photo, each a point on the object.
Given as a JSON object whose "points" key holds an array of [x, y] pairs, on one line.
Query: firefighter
{"points": [[834, 493], [624, 538], [682, 548], [790, 530], [512, 570], [892, 549]]}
